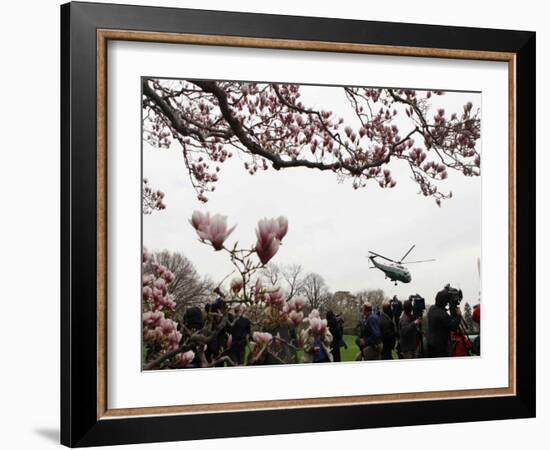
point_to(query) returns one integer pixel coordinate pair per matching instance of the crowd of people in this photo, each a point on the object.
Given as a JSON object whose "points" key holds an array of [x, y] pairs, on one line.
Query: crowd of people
{"points": [[395, 331], [387, 335]]}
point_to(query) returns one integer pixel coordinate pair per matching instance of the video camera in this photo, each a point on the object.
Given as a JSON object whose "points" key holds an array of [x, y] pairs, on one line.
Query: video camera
{"points": [[418, 304], [453, 296]]}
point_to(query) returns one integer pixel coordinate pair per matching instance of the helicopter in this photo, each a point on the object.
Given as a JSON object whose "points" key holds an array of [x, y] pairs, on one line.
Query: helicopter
{"points": [[394, 270]]}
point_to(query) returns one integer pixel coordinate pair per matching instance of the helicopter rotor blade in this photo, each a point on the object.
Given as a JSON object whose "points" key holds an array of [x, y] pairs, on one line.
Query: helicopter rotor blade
{"points": [[406, 254], [421, 261], [381, 256]]}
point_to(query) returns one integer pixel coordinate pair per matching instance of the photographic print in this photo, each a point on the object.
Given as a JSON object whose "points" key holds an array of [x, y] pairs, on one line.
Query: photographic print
{"points": [[293, 224]]}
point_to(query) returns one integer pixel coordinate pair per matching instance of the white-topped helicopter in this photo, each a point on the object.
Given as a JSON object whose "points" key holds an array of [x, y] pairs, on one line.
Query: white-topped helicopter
{"points": [[394, 270]]}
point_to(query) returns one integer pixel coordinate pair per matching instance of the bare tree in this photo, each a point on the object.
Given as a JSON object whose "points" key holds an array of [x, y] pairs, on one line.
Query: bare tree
{"points": [[188, 287], [272, 274], [316, 291], [290, 278], [293, 276]]}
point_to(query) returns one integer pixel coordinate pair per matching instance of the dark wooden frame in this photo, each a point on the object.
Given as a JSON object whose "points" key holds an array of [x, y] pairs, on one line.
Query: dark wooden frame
{"points": [[85, 29]]}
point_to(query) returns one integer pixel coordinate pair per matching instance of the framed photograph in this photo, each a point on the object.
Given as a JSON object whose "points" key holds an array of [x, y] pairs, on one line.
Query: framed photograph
{"points": [[276, 224]]}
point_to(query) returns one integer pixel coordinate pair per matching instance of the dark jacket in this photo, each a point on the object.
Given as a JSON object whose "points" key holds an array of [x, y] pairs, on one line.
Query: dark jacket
{"points": [[408, 333], [387, 328], [337, 332], [440, 325], [370, 330], [240, 332]]}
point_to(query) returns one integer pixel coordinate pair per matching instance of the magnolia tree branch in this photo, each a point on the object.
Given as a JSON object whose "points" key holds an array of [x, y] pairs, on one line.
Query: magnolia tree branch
{"points": [[270, 127]]}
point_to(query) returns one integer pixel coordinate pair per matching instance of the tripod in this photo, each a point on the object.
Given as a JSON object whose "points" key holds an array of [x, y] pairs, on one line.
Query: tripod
{"points": [[464, 339]]}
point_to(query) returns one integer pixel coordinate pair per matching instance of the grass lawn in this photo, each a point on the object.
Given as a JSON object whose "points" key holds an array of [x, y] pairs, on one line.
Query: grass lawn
{"points": [[348, 354]]}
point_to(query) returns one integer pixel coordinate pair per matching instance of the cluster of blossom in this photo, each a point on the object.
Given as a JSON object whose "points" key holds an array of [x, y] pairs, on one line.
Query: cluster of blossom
{"points": [[317, 333], [155, 291], [157, 329], [160, 331], [270, 234], [151, 199], [265, 306], [211, 229], [216, 118], [214, 230]]}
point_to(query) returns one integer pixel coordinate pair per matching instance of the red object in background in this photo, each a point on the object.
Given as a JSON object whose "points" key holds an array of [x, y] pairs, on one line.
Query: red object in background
{"points": [[476, 313], [460, 344]]}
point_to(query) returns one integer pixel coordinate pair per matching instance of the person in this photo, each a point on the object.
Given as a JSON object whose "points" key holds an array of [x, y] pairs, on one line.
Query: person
{"points": [[193, 318], [320, 354], [336, 329], [440, 325], [240, 333], [476, 317], [408, 332], [371, 337], [317, 349], [387, 329], [216, 312]]}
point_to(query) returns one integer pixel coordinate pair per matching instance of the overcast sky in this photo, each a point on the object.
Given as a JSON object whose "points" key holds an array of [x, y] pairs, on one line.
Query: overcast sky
{"points": [[331, 226]]}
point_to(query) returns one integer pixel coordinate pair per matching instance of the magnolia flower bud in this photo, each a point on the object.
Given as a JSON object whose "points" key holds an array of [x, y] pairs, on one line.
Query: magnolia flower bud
{"points": [[236, 285]]}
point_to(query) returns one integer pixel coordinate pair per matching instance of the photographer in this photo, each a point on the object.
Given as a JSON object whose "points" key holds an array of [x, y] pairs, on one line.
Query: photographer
{"points": [[409, 333], [441, 323], [387, 328]]}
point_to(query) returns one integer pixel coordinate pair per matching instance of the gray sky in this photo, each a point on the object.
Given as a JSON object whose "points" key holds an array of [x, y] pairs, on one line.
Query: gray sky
{"points": [[331, 225]]}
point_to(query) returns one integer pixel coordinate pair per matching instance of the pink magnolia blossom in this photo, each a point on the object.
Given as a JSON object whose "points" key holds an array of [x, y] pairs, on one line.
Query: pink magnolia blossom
{"points": [[236, 285], [148, 335], [147, 293], [216, 232], [301, 339], [267, 229], [299, 303], [283, 227], [152, 317], [295, 317], [148, 279], [160, 283], [168, 276], [314, 314], [318, 326], [167, 326], [267, 250], [186, 358], [158, 335], [174, 338], [261, 338], [275, 298], [268, 243], [200, 221]]}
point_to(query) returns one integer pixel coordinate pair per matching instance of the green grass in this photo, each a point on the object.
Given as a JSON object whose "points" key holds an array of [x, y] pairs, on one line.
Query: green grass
{"points": [[347, 354], [350, 353]]}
